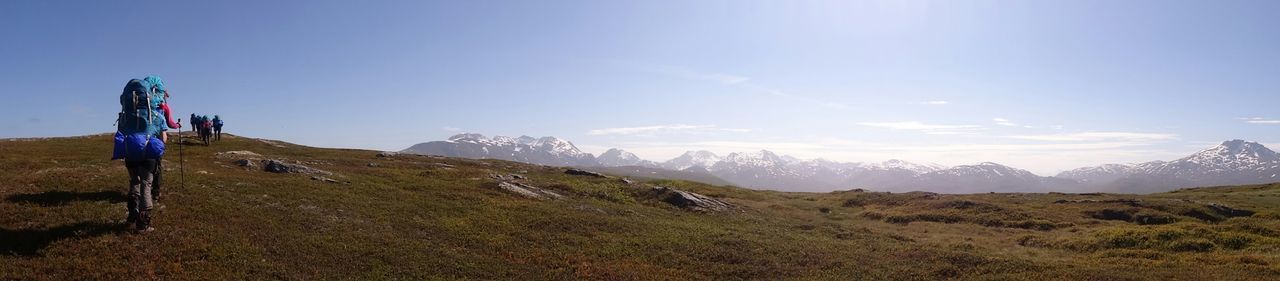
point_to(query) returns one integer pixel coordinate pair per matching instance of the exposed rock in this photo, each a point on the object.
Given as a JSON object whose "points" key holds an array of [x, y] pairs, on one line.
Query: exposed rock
{"points": [[277, 166], [246, 163], [628, 181], [203, 172], [324, 179], [510, 177], [578, 172], [443, 165], [529, 191], [387, 154], [691, 201], [372, 165], [238, 154]]}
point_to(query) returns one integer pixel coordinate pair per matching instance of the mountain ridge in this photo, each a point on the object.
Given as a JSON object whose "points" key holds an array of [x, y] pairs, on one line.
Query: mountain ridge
{"points": [[1233, 162]]}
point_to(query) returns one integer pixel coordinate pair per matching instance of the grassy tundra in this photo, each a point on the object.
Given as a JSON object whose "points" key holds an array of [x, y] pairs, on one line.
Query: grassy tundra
{"points": [[419, 217]]}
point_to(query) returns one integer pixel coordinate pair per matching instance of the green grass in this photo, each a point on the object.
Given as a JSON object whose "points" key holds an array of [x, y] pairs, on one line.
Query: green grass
{"points": [[418, 217]]}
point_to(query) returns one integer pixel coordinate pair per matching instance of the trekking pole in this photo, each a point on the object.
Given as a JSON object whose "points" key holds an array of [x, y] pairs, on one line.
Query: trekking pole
{"points": [[182, 169]]}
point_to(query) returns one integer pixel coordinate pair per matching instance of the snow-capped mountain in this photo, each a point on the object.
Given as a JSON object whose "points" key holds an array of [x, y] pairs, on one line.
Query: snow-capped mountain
{"points": [[701, 158], [1230, 163], [1103, 173], [1233, 162], [763, 169], [618, 158], [895, 164], [985, 177], [545, 150]]}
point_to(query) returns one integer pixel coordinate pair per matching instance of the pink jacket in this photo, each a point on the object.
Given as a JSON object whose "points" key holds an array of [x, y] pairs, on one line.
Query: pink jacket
{"points": [[168, 116]]}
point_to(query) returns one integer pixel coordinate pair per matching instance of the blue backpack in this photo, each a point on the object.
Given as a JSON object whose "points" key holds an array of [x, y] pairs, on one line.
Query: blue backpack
{"points": [[140, 107], [140, 120]]}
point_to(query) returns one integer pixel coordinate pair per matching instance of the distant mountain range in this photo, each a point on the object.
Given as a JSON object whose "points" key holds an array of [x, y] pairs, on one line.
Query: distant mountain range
{"points": [[1230, 163], [1233, 162]]}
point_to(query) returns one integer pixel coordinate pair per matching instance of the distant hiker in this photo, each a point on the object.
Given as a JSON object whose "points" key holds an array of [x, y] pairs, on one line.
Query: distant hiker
{"points": [[217, 127], [206, 129], [195, 122], [140, 122]]}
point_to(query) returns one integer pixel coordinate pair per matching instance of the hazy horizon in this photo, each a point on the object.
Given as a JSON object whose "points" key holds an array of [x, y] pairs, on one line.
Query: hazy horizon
{"points": [[1040, 86]]}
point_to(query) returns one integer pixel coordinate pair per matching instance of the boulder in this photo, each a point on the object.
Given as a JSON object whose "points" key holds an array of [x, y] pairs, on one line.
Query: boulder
{"points": [[246, 163], [578, 172], [324, 179], [510, 177], [238, 154], [387, 154], [691, 201], [528, 191], [277, 166]]}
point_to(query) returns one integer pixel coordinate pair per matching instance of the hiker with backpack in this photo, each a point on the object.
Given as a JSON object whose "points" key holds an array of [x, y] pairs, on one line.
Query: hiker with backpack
{"points": [[195, 122], [137, 140], [217, 127], [206, 129]]}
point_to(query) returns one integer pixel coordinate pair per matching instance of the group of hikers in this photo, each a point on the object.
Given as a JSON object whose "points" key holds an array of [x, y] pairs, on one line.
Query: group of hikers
{"points": [[207, 128], [141, 133]]}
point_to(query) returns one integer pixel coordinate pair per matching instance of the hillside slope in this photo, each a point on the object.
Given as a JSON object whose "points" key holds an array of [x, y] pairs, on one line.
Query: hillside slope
{"points": [[372, 216]]}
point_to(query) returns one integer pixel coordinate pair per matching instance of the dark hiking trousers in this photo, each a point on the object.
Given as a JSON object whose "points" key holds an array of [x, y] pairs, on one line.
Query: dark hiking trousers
{"points": [[140, 176], [156, 175]]}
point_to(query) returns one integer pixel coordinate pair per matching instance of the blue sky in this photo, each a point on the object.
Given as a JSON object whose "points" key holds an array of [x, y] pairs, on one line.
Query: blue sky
{"points": [[1040, 85]]}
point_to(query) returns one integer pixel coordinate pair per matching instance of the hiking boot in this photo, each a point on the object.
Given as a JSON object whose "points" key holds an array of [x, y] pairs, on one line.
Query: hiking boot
{"points": [[144, 222], [131, 219]]}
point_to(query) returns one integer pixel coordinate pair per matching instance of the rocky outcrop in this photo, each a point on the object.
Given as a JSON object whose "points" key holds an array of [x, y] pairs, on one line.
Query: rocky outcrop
{"points": [[246, 163], [528, 191], [238, 154], [578, 172], [691, 201], [277, 166]]}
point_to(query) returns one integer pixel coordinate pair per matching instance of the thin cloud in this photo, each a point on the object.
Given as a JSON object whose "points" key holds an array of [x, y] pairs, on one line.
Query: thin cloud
{"points": [[1260, 120], [660, 129], [913, 125], [690, 73], [1099, 136], [1008, 123], [1005, 122], [935, 102]]}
